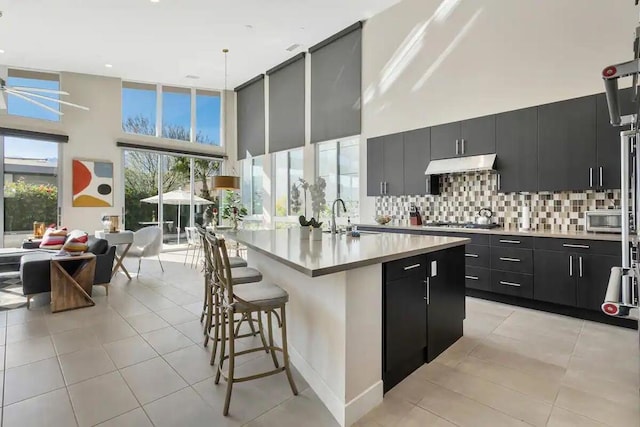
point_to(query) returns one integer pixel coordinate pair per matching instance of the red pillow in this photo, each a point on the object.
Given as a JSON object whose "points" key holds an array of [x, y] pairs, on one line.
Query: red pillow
{"points": [[54, 238]]}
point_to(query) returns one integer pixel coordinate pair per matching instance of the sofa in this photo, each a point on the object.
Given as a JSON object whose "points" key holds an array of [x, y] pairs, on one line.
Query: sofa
{"points": [[35, 268]]}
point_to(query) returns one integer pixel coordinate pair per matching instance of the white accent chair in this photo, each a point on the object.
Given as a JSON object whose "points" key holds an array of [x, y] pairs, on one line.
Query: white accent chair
{"points": [[147, 242], [193, 243]]}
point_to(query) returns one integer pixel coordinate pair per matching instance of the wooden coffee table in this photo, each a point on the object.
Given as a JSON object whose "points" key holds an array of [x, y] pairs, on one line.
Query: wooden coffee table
{"points": [[71, 281]]}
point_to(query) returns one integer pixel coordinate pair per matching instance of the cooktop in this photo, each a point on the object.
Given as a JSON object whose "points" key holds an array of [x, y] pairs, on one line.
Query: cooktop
{"points": [[461, 225]]}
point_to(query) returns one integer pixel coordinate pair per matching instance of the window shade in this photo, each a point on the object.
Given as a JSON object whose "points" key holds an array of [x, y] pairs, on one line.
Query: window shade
{"points": [[336, 85], [29, 134], [286, 104], [251, 118]]}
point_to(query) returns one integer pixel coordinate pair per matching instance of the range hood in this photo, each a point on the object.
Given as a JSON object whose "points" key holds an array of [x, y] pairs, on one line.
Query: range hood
{"points": [[484, 162]]}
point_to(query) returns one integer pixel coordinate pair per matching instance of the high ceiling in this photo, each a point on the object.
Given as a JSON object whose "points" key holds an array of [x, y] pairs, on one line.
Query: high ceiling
{"points": [[167, 40]]}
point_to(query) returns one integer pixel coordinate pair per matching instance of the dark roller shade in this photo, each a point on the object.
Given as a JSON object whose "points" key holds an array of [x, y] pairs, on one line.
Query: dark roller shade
{"points": [[286, 105], [251, 118], [336, 85], [29, 134]]}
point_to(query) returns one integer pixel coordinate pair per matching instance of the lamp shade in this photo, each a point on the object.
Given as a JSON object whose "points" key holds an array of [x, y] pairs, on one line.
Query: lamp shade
{"points": [[226, 182]]}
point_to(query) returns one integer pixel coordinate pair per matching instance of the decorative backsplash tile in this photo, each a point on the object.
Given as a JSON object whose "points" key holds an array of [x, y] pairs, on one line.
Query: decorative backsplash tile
{"points": [[461, 196]]}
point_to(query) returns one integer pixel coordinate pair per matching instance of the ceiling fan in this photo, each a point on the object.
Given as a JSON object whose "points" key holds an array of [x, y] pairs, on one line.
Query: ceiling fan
{"points": [[29, 93]]}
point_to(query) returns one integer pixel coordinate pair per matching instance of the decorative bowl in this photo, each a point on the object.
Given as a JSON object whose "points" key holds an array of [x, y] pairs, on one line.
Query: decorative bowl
{"points": [[383, 219]]}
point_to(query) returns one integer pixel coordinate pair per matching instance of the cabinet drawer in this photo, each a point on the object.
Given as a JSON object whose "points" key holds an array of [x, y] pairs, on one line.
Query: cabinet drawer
{"points": [[579, 246], [519, 285], [522, 242], [478, 278], [477, 256], [416, 265], [512, 259], [476, 238]]}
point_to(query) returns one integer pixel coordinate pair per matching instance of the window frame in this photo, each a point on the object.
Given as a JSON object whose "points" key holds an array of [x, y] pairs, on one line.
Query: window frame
{"points": [[338, 143], [249, 205], [21, 73], [290, 216], [193, 123]]}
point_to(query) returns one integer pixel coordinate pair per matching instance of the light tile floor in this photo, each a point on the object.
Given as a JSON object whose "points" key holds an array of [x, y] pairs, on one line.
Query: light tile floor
{"points": [[136, 359]]}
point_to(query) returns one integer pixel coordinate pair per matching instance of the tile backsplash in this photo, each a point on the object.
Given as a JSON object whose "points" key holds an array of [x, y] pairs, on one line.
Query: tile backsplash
{"points": [[461, 196]]}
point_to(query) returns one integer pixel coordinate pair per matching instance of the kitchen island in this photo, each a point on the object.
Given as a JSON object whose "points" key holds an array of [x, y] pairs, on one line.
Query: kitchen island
{"points": [[363, 312]]}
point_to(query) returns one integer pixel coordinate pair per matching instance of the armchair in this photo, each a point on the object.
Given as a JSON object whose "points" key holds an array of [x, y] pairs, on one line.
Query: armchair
{"points": [[147, 242], [35, 268]]}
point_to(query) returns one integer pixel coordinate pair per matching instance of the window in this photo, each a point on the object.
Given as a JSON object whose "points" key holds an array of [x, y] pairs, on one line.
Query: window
{"points": [[33, 79], [252, 185], [176, 113], [139, 108], [338, 162], [288, 170], [181, 118], [207, 117]]}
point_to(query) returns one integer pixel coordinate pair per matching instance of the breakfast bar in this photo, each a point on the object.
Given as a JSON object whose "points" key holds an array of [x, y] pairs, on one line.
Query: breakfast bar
{"points": [[354, 303]]}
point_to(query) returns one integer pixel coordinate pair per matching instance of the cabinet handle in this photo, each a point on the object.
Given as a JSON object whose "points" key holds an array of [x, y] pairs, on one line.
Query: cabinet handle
{"points": [[471, 277], [499, 183], [513, 242], [517, 285], [591, 177], [411, 267], [580, 266], [428, 286], [471, 255], [457, 147], [509, 259], [600, 172], [462, 145], [381, 188], [386, 188], [570, 245], [571, 266]]}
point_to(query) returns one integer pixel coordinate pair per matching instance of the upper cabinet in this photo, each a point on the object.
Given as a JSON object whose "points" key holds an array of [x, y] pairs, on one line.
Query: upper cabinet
{"points": [[417, 154], [445, 141], [517, 150], [567, 145], [385, 157], [478, 136], [608, 141]]}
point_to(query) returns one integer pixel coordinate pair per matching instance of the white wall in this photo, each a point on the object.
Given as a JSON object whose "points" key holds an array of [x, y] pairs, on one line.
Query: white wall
{"points": [[484, 57]]}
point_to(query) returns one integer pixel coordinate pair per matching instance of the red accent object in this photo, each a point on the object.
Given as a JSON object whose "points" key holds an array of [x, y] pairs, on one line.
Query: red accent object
{"points": [[81, 177], [609, 71], [610, 308]]}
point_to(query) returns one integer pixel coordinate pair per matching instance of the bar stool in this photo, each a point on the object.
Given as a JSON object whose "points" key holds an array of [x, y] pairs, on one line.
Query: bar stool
{"points": [[212, 301], [247, 299], [233, 261]]}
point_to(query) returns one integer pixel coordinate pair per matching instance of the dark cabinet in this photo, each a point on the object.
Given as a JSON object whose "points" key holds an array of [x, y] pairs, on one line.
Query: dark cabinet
{"points": [[393, 165], [517, 150], [445, 299], [555, 277], [567, 145], [385, 157], [608, 141], [445, 141], [478, 136], [417, 153], [593, 278], [423, 310], [375, 172]]}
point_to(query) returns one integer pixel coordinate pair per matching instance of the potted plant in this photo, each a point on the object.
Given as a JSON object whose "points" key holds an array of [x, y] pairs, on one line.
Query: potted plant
{"points": [[318, 203], [233, 209]]}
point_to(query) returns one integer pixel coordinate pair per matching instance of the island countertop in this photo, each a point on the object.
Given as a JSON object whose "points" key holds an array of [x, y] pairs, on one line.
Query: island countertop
{"points": [[336, 253]]}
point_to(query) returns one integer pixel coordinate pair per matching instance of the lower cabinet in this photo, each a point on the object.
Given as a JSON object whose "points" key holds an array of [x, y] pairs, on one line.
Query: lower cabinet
{"points": [[555, 278], [510, 283], [423, 311], [593, 278]]}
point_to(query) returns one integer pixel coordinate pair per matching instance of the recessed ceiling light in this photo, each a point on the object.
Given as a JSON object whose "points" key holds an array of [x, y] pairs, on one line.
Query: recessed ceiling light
{"points": [[108, 65], [1, 50], [192, 76], [155, 1]]}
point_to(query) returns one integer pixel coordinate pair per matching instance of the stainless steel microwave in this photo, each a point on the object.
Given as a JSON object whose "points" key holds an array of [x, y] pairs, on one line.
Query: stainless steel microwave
{"points": [[604, 221]]}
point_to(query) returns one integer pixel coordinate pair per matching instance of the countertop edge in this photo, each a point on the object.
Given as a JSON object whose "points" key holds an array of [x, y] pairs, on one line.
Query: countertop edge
{"points": [[355, 264], [499, 231]]}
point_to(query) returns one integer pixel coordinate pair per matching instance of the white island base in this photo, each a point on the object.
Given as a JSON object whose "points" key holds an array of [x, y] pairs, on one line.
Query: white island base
{"points": [[334, 325]]}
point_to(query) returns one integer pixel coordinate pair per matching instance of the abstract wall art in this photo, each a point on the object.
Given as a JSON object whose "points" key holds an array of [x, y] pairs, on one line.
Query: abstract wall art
{"points": [[92, 183]]}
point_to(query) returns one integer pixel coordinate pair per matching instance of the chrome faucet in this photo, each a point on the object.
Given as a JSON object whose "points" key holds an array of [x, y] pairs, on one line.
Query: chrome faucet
{"points": [[334, 229]]}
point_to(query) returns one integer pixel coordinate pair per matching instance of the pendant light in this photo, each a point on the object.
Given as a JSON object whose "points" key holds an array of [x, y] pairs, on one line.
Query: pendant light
{"points": [[226, 182]]}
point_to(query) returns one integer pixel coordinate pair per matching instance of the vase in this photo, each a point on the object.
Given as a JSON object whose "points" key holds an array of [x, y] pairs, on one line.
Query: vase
{"points": [[304, 232], [316, 234]]}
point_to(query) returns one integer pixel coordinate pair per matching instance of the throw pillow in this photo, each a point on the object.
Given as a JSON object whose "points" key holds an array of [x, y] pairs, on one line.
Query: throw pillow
{"points": [[76, 242], [53, 238]]}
